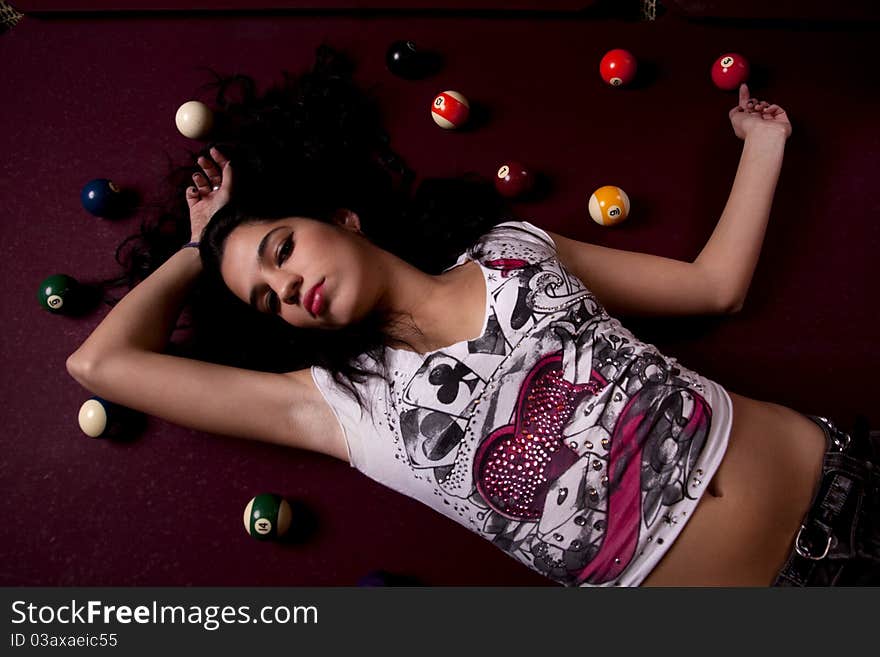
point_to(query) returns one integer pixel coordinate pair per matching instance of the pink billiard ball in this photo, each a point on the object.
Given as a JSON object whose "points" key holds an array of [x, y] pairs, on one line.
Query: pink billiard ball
{"points": [[730, 70], [618, 67], [513, 179], [450, 110]]}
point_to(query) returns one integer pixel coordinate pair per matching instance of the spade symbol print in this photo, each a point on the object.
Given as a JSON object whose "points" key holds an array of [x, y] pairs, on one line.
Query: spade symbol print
{"points": [[430, 437]]}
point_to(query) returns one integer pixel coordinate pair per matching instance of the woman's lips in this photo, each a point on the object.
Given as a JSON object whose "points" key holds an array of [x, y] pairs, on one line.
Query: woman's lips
{"points": [[313, 302]]}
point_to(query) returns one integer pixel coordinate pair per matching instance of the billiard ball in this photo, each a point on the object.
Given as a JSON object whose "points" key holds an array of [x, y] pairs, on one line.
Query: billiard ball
{"points": [[95, 415], [609, 205], [730, 70], [450, 110], [513, 179], [404, 60], [58, 293], [101, 197], [194, 119], [618, 67], [267, 516]]}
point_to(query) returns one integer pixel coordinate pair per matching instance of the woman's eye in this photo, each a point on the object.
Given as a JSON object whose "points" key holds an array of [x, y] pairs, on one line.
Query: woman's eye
{"points": [[283, 254], [271, 303], [285, 249]]}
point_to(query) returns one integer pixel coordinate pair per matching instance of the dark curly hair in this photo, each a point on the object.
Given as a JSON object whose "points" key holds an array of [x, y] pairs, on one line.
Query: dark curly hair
{"points": [[306, 147]]}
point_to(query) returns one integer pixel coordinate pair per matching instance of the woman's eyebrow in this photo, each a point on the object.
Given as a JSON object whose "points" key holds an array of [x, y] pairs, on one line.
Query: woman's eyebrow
{"points": [[261, 249]]}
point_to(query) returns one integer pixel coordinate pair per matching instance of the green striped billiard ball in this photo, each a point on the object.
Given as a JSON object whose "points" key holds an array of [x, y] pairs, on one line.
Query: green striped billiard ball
{"points": [[267, 516], [57, 292]]}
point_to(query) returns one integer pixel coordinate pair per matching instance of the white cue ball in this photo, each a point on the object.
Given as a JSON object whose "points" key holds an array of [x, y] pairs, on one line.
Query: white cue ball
{"points": [[93, 418], [194, 119]]}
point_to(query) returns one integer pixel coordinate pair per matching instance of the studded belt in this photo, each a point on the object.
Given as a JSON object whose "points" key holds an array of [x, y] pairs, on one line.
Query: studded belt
{"points": [[830, 533]]}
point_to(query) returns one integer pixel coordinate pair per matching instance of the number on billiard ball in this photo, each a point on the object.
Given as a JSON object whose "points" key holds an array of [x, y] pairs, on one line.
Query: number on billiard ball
{"points": [[267, 516], [618, 67], [101, 197], [57, 293], [730, 70], [513, 179], [609, 205], [450, 110]]}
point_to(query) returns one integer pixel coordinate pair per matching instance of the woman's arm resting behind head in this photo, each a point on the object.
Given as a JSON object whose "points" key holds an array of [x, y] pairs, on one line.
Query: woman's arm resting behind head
{"points": [[641, 284], [286, 409], [146, 316], [122, 361]]}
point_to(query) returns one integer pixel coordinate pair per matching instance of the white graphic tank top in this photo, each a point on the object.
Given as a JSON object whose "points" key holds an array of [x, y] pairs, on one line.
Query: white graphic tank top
{"points": [[559, 436]]}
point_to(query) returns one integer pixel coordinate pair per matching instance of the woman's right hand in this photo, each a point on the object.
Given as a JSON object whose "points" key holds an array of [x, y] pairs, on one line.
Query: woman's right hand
{"points": [[752, 114], [212, 191]]}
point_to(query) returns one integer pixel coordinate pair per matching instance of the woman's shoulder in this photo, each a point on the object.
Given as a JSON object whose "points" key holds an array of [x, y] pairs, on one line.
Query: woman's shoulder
{"points": [[513, 244]]}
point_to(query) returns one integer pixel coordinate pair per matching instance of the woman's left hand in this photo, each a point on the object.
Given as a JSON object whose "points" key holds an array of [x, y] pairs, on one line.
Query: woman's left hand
{"points": [[752, 114], [212, 191]]}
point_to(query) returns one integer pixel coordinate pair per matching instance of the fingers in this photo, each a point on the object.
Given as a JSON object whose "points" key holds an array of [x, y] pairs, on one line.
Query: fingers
{"points": [[224, 162], [202, 183], [753, 105], [219, 157], [192, 196], [743, 93], [211, 171], [217, 173]]}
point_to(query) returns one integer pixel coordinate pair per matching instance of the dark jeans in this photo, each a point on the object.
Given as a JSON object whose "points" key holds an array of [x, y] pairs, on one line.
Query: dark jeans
{"points": [[839, 541]]}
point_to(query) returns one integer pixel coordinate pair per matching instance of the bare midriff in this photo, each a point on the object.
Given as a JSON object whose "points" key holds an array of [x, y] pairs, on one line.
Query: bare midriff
{"points": [[743, 528]]}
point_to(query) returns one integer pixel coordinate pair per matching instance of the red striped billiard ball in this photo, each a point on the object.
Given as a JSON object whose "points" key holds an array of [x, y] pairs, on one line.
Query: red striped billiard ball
{"points": [[513, 179], [450, 110], [618, 67], [729, 71]]}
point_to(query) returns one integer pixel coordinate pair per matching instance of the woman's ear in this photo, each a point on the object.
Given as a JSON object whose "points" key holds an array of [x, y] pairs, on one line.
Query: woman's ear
{"points": [[347, 219]]}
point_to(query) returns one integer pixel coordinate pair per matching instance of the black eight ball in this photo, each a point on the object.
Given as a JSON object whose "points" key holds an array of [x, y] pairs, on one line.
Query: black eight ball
{"points": [[403, 59]]}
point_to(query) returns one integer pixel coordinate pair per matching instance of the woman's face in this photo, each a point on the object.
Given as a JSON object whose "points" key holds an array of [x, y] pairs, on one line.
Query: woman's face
{"points": [[275, 266]]}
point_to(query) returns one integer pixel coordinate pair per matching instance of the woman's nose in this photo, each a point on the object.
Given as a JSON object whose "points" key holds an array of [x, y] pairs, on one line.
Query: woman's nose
{"points": [[289, 288]]}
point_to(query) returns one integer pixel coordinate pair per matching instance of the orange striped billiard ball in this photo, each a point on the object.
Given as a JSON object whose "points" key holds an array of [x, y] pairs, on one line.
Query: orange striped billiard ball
{"points": [[450, 110], [609, 205]]}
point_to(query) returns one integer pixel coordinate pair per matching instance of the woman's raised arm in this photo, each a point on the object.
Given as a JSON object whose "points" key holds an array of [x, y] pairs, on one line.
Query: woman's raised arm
{"points": [[733, 249], [144, 318], [122, 359]]}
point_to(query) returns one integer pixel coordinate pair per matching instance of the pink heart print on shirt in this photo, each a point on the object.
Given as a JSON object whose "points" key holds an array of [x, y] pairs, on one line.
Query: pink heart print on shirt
{"points": [[517, 465]]}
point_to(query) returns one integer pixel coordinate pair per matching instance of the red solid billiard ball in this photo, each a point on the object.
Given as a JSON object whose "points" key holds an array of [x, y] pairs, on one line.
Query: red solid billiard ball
{"points": [[730, 70], [450, 110], [618, 67], [513, 179]]}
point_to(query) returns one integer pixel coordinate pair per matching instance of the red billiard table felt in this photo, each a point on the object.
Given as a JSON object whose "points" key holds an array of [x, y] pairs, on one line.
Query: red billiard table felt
{"points": [[86, 98]]}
